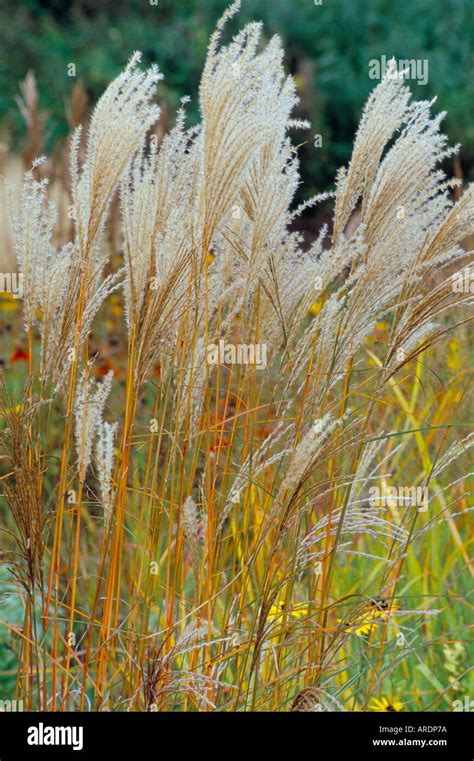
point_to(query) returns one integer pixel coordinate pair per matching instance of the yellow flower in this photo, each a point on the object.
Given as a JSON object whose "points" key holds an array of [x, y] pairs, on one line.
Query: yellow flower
{"points": [[372, 616], [278, 610], [8, 303], [385, 704]]}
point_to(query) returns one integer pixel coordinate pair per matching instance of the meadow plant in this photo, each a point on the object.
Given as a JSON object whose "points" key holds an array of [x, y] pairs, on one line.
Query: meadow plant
{"points": [[200, 535]]}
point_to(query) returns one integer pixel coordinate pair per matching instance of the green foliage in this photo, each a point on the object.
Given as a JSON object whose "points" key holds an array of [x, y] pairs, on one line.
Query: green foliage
{"points": [[12, 614], [328, 46]]}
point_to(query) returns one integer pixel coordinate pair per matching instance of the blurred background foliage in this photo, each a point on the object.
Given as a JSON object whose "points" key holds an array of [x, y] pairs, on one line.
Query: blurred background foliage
{"points": [[328, 49]]}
